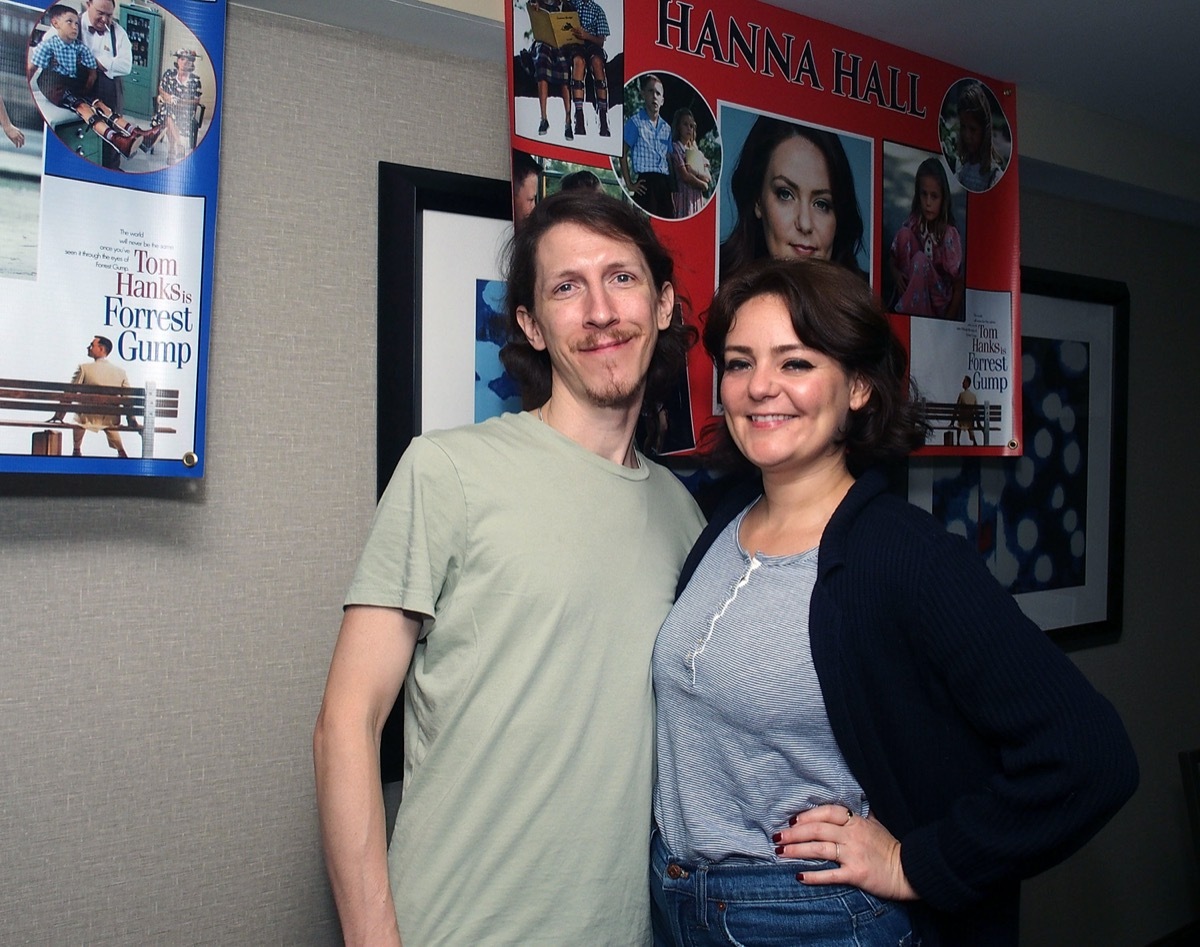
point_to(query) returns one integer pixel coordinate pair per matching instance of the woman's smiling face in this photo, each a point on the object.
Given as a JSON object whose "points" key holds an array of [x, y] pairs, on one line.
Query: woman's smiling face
{"points": [[786, 405]]}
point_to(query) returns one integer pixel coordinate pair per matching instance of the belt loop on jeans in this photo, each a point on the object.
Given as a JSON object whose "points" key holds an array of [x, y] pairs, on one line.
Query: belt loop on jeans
{"points": [[702, 895]]}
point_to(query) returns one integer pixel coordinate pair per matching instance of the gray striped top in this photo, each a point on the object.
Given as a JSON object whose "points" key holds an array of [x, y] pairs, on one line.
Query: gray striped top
{"points": [[743, 739]]}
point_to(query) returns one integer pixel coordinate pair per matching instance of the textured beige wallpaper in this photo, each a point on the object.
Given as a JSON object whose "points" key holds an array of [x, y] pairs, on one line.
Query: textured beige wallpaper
{"points": [[164, 648]]}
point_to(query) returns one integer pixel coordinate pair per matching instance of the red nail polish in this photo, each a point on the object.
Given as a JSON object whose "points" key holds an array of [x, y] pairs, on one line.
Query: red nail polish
{"points": [[793, 820], [800, 877], [778, 849], [777, 837]]}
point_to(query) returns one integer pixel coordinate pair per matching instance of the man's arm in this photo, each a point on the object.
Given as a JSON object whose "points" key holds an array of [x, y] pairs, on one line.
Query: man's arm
{"points": [[122, 63], [370, 660]]}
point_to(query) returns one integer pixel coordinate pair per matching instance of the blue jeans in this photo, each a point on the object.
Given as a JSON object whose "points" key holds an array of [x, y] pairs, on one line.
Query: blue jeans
{"points": [[763, 905]]}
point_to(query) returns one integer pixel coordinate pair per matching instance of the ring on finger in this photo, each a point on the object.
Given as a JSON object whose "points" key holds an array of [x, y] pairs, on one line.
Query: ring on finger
{"points": [[849, 816], [837, 852]]}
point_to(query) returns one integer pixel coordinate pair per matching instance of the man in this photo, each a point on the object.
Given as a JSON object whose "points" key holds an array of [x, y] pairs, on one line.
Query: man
{"points": [[109, 43], [647, 147], [514, 580], [100, 372], [966, 412]]}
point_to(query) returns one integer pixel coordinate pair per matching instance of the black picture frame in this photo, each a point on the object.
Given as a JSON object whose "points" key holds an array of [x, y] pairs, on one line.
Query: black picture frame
{"points": [[405, 194], [1189, 768], [1061, 307]]}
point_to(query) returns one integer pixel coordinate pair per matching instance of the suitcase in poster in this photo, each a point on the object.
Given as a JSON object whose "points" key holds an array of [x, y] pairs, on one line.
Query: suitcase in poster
{"points": [[47, 443]]}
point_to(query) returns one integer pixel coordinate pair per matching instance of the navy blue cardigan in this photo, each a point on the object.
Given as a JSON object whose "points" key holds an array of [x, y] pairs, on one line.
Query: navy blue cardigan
{"points": [[980, 746]]}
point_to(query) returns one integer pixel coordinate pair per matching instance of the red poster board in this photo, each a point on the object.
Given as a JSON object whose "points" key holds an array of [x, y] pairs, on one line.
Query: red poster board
{"points": [[775, 96]]}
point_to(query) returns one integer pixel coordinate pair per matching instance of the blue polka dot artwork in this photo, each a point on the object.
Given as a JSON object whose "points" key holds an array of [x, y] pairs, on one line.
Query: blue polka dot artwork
{"points": [[495, 391], [1027, 515]]}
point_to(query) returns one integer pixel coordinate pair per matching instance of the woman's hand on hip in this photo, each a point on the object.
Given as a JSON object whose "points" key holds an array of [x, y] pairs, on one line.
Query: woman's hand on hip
{"points": [[868, 855]]}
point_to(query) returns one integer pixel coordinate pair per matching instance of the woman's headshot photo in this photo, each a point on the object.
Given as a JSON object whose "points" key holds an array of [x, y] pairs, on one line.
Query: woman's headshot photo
{"points": [[795, 191]]}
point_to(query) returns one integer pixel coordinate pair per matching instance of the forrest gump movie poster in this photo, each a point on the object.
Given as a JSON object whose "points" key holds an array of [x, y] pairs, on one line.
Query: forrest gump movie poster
{"points": [[108, 170]]}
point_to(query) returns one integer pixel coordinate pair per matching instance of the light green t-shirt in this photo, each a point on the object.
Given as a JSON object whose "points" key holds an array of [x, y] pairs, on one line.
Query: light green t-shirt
{"points": [[546, 571]]}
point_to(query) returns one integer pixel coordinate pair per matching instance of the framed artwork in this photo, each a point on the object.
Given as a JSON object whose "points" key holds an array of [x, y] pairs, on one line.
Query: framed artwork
{"points": [[1051, 523], [440, 239], [1189, 766]]}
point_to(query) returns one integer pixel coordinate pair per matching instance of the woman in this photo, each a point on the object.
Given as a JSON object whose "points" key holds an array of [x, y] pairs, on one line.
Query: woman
{"points": [[178, 94], [794, 195], [860, 735]]}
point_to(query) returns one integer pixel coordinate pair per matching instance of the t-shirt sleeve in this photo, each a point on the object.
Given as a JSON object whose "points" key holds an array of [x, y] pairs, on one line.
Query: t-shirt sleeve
{"points": [[415, 547]]}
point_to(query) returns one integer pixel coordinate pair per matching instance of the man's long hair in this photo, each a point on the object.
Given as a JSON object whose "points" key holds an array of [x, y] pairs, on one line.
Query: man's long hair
{"points": [[608, 217]]}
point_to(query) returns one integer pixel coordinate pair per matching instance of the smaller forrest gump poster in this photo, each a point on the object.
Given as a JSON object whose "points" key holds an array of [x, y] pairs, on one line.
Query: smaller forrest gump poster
{"points": [[108, 193], [746, 131]]}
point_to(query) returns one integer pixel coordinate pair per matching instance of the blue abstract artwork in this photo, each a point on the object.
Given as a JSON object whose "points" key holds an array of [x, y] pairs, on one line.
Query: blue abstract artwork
{"points": [[495, 391], [1027, 515]]}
